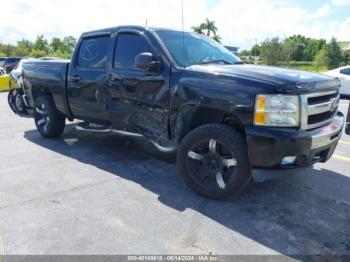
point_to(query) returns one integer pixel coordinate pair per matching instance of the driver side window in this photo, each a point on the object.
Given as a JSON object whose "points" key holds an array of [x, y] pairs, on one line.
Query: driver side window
{"points": [[128, 46]]}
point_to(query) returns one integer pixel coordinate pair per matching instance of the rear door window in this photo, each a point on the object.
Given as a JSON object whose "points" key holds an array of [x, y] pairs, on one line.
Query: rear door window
{"points": [[93, 52]]}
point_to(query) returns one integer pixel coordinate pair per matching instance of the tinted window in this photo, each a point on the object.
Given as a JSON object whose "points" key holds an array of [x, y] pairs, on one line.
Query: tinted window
{"points": [[93, 52], [345, 71], [128, 47]]}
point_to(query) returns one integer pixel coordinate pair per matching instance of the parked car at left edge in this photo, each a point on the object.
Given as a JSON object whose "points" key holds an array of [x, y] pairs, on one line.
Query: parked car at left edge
{"points": [[4, 80], [17, 98], [2, 61]]}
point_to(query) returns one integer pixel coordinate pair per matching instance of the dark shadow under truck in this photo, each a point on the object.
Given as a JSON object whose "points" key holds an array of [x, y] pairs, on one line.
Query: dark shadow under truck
{"points": [[183, 91]]}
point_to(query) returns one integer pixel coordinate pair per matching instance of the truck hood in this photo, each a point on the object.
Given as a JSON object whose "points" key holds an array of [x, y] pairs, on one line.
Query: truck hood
{"points": [[286, 80]]}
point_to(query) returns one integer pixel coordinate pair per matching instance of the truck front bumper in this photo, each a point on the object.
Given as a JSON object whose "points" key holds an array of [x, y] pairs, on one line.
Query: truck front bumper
{"points": [[269, 147]]}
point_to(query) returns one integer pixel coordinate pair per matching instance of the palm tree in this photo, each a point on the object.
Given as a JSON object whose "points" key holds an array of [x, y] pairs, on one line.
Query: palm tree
{"points": [[210, 27], [217, 38], [199, 29]]}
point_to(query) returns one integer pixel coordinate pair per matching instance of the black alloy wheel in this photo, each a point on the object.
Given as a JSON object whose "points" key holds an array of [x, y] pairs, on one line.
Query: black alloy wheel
{"points": [[213, 161]]}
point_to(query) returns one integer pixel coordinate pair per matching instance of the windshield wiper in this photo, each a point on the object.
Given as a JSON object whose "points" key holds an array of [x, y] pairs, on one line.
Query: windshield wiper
{"points": [[216, 61]]}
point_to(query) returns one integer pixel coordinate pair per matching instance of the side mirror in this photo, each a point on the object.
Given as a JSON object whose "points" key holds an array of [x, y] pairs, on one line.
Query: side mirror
{"points": [[147, 61]]}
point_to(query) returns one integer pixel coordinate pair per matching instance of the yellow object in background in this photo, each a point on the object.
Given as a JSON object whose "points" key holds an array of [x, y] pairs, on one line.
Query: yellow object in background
{"points": [[4, 83]]}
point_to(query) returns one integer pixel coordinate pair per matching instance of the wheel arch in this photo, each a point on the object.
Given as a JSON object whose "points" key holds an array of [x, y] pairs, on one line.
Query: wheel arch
{"points": [[40, 90], [196, 116]]}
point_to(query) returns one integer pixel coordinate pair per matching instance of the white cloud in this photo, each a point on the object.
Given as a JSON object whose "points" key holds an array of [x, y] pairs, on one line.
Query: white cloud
{"points": [[321, 12], [51, 17], [341, 2], [242, 22], [239, 22]]}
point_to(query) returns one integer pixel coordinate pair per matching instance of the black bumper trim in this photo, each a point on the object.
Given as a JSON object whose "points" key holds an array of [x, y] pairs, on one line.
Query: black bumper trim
{"points": [[268, 146]]}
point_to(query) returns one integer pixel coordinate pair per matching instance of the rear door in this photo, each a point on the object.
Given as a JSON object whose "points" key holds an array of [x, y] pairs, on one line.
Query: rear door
{"points": [[139, 98], [88, 78]]}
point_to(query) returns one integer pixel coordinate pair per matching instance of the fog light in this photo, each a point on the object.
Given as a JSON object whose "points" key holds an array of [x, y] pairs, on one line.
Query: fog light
{"points": [[288, 160]]}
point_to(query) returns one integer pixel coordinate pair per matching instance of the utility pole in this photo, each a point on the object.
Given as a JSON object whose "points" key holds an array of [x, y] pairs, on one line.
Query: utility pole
{"points": [[256, 44]]}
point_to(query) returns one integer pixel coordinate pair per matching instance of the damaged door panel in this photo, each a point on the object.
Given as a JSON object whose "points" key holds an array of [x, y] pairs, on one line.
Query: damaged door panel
{"points": [[89, 77], [139, 98]]}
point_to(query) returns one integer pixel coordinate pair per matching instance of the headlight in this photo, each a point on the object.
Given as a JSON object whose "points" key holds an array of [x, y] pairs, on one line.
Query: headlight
{"points": [[277, 110]]}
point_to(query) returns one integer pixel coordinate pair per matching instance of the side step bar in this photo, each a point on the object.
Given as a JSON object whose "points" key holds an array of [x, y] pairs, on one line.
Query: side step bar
{"points": [[90, 127]]}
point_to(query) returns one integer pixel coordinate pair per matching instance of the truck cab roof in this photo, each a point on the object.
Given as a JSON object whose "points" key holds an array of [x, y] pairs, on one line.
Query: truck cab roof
{"points": [[125, 27]]}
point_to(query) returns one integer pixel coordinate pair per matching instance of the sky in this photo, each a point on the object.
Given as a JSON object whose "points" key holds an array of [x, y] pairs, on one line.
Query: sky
{"points": [[241, 23]]}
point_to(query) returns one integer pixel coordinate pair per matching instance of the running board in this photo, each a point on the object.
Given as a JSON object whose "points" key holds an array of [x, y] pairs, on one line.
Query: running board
{"points": [[88, 127]]}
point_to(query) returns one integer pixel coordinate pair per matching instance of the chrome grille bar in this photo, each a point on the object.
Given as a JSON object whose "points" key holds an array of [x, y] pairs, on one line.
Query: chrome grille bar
{"points": [[317, 109]]}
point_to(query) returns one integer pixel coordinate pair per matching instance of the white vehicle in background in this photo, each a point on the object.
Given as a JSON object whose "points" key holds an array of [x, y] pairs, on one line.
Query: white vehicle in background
{"points": [[17, 97], [343, 74]]}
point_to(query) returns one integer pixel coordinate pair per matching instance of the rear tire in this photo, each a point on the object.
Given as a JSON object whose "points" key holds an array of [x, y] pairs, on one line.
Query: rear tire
{"points": [[48, 120], [11, 101], [213, 161], [19, 104]]}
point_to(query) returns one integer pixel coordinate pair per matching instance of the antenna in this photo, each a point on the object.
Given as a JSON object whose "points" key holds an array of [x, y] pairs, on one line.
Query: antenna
{"points": [[183, 30], [182, 15], [146, 22]]}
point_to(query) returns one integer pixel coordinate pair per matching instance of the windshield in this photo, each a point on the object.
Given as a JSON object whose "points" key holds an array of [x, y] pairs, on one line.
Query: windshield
{"points": [[198, 49]]}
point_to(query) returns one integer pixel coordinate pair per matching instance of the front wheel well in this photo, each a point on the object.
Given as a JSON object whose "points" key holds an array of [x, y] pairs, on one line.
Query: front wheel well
{"points": [[206, 115]]}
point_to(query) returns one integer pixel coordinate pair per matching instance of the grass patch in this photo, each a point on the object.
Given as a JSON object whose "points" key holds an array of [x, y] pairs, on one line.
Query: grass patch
{"points": [[310, 68]]}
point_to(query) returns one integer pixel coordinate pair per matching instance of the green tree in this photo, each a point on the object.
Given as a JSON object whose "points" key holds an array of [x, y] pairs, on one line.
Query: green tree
{"points": [[56, 44], [312, 48], [217, 38], [321, 59], [272, 51], [244, 53], [288, 51], [199, 29], [41, 45], [69, 43], [210, 27], [300, 43], [58, 47], [23, 48], [333, 53], [305, 48], [256, 50]]}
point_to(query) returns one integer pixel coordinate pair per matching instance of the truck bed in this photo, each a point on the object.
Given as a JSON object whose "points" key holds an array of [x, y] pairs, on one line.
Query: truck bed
{"points": [[48, 75]]}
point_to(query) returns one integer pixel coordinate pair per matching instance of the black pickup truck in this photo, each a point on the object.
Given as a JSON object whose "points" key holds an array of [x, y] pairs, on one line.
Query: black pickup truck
{"points": [[183, 91]]}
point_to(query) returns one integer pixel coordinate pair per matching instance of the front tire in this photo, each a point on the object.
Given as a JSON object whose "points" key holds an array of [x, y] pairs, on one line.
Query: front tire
{"points": [[213, 161], [48, 120]]}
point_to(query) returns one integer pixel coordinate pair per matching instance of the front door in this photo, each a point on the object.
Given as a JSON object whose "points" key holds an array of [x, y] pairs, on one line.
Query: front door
{"points": [[140, 99]]}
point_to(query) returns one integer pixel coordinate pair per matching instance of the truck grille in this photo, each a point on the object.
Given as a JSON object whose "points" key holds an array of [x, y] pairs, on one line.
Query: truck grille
{"points": [[318, 109]]}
